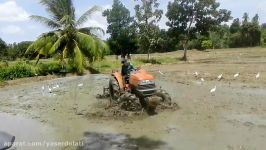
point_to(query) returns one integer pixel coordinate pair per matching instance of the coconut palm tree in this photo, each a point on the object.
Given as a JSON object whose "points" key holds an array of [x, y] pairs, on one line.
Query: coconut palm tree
{"points": [[68, 39]]}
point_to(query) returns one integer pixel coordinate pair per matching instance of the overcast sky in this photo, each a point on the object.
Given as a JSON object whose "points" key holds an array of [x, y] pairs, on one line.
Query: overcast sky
{"points": [[15, 25]]}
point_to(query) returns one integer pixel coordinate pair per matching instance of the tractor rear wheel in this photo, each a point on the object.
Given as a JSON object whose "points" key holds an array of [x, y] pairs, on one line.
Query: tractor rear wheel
{"points": [[114, 90], [166, 98], [130, 102]]}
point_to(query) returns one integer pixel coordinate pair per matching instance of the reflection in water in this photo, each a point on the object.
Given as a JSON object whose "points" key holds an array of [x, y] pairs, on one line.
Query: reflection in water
{"points": [[25, 130], [99, 141]]}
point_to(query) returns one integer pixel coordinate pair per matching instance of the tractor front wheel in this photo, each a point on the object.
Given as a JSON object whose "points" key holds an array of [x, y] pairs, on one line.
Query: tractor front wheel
{"points": [[114, 90], [130, 102], [166, 98]]}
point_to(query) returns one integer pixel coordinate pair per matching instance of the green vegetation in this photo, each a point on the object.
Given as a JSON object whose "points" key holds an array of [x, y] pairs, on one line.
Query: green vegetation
{"points": [[109, 64], [183, 14], [71, 48], [147, 17], [67, 40], [121, 29], [20, 69], [207, 44]]}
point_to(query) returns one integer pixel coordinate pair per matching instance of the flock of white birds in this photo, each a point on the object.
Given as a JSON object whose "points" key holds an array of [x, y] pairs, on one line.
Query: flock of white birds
{"points": [[219, 78], [196, 74], [55, 87]]}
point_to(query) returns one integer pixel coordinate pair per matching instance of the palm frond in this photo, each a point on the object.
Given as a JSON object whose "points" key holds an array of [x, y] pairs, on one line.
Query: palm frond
{"points": [[65, 53], [55, 8], [57, 44], [49, 22], [78, 58], [43, 44], [87, 14], [92, 30], [92, 47], [70, 10], [87, 44]]}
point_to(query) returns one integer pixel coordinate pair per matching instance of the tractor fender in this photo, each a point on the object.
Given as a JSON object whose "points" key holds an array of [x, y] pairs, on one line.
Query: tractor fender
{"points": [[119, 79]]}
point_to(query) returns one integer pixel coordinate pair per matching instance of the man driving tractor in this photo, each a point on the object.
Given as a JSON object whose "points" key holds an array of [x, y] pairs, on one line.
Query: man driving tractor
{"points": [[126, 69]]}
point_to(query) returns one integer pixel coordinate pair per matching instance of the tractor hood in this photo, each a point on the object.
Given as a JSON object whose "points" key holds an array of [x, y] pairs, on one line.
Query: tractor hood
{"points": [[137, 76]]}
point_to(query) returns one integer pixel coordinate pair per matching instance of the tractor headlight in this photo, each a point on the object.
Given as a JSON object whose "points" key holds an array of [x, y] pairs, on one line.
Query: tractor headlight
{"points": [[143, 82]]}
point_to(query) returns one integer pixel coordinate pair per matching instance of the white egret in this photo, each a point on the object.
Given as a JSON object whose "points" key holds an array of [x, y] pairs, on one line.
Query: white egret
{"points": [[161, 72], [202, 79], [258, 75], [236, 75], [220, 77], [80, 85], [196, 73], [55, 87], [213, 90], [49, 89]]}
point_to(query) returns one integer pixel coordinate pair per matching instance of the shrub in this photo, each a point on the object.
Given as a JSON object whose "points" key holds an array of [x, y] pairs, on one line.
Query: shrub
{"points": [[50, 68], [207, 44], [19, 70], [3, 64]]}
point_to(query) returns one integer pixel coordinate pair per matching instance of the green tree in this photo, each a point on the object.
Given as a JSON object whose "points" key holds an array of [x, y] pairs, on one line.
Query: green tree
{"points": [[215, 39], [121, 28], [188, 17], [148, 15], [3, 47], [220, 36], [255, 31], [68, 39], [263, 37], [235, 26], [17, 50], [250, 31]]}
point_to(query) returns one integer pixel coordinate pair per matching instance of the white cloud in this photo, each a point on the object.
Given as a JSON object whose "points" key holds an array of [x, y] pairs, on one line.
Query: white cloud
{"points": [[11, 12], [97, 20], [12, 29]]}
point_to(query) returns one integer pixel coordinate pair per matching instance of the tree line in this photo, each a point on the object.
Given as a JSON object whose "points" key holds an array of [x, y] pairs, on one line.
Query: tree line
{"points": [[192, 24]]}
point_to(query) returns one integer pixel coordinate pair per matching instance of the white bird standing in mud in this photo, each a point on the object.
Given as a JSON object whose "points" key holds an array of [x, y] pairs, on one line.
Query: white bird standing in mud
{"points": [[258, 75], [196, 74], [80, 85], [202, 79], [220, 77], [161, 72], [49, 89], [55, 87], [213, 90], [236, 75]]}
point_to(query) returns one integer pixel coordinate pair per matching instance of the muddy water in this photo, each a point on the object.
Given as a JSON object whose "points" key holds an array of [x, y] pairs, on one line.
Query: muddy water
{"points": [[27, 132], [234, 118]]}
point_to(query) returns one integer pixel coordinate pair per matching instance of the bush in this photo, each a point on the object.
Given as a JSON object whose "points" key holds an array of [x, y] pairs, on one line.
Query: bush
{"points": [[50, 68], [3, 64], [19, 70], [207, 44]]}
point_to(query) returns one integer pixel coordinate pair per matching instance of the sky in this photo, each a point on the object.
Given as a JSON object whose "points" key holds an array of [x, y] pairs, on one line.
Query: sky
{"points": [[16, 26]]}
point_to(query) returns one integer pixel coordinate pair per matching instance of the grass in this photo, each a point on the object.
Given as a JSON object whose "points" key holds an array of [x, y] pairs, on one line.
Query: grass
{"points": [[110, 63], [20, 69]]}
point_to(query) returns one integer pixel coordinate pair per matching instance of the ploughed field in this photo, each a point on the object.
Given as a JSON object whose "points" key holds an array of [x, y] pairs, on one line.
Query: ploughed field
{"points": [[231, 118]]}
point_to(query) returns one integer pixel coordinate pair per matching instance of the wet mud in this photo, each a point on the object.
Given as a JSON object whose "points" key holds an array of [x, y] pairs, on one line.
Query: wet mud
{"points": [[233, 118]]}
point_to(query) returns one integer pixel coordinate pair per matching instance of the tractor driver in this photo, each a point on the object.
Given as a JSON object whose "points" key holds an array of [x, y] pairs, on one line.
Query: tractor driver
{"points": [[126, 69]]}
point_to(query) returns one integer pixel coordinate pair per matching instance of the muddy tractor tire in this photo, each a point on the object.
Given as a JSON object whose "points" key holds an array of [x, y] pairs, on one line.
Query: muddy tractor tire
{"points": [[130, 102], [114, 90], [166, 98]]}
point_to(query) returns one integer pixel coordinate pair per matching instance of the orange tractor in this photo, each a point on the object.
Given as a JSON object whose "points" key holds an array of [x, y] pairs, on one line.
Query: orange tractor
{"points": [[138, 92]]}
